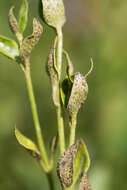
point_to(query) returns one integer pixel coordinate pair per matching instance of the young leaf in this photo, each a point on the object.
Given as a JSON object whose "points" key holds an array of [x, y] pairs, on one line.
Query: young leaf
{"points": [[9, 47], [54, 13], [73, 163], [27, 143], [13, 21], [23, 16], [30, 41]]}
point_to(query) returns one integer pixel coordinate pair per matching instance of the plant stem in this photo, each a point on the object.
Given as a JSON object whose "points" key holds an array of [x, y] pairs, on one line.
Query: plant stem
{"points": [[35, 117], [72, 130], [60, 130], [50, 181], [60, 121], [69, 188]]}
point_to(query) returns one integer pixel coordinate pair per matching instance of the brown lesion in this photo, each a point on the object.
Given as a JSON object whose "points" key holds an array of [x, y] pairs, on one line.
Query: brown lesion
{"points": [[84, 184]]}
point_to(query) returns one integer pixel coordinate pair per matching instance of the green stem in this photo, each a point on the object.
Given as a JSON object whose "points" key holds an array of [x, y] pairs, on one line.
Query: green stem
{"points": [[35, 117], [60, 129], [59, 50], [72, 130], [60, 121], [50, 181], [69, 188]]}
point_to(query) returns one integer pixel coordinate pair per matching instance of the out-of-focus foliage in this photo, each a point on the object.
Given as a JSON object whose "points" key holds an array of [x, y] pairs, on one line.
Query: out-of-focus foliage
{"points": [[96, 29]]}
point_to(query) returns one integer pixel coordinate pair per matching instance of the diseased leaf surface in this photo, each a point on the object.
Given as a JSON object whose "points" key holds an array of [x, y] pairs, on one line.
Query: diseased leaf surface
{"points": [[54, 13], [72, 164], [30, 41], [13, 21], [78, 94]]}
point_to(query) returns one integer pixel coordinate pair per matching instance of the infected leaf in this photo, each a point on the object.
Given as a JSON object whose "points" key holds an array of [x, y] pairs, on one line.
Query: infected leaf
{"points": [[72, 164], [54, 13], [65, 166], [78, 94], [9, 47], [13, 21], [30, 41]]}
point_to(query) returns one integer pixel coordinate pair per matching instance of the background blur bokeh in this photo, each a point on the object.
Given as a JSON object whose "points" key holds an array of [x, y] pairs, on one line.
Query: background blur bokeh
{"points": [[96, 29]]}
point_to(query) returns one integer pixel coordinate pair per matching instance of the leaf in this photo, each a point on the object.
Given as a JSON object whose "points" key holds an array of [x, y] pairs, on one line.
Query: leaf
{"points": [[81, 161], [9, 47], [23, 16], [27, 143], [74, 90], [73, 163], [13, 21], [65, 166], [54, 13], [70, 68], [78, 94], [30, 41], [52, 73]]}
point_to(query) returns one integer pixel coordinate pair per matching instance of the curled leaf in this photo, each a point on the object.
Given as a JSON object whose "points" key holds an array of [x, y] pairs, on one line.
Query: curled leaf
{"points": [[78, 94], [73, 163], [23, 16], [27, 144], [74, 92], [84, 184], [30, 41], [54, 13], [52, 72], [13, 22], [9, 47], [70, 68]]}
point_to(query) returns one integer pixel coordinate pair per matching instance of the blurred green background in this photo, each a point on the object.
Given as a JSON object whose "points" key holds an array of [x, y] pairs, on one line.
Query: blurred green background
{"points": [[96, 29]]}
